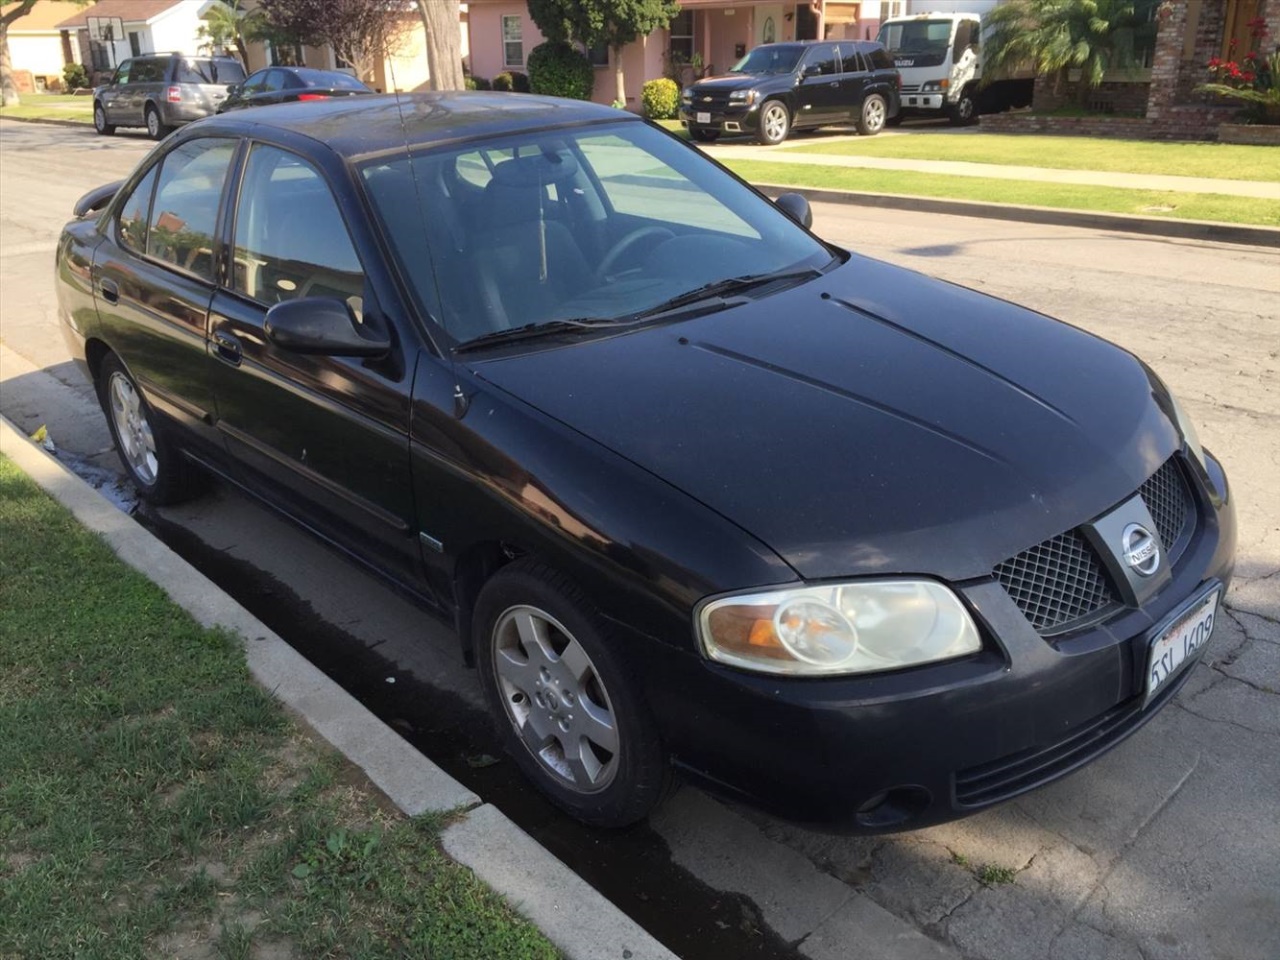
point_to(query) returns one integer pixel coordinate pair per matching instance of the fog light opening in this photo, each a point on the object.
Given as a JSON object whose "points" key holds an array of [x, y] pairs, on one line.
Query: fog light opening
{"points": [[892, 808]]}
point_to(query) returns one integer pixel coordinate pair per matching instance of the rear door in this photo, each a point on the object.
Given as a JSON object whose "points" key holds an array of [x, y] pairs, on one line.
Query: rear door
{"points": [[818, 99], [853, 81], [147, 82], [324, 438]]}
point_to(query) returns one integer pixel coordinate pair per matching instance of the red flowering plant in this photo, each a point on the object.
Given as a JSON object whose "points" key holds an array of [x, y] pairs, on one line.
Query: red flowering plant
{"points": [[1254, 79]]}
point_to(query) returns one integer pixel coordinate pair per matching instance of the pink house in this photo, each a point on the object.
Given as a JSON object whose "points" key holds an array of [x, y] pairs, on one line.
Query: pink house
{"points": [[707, 36]]}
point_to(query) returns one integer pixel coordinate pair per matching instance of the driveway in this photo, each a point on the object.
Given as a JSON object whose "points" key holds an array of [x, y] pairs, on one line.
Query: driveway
{"points": [[1168, 847]]}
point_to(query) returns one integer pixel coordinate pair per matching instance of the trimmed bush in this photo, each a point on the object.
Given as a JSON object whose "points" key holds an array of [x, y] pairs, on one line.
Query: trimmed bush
{"points": [[74, 76], [511, 81], [558, 70], [660, 99]]}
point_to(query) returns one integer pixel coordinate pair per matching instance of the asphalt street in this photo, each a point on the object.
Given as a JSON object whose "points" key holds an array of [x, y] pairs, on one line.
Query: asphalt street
{"points": [[1168, 847]]}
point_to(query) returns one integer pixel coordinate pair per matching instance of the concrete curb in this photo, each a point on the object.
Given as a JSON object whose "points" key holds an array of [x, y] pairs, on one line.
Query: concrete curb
{"points": [[51, 121], [577, 919], [1121, 222]]}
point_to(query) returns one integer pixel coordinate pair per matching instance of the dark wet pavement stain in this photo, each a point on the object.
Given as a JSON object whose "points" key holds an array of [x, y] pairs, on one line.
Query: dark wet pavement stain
{"points": [[631, 867]]}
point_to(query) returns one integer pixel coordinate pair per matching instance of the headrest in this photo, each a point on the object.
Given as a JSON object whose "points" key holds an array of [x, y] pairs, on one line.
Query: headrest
{"points": [[549, 166]]}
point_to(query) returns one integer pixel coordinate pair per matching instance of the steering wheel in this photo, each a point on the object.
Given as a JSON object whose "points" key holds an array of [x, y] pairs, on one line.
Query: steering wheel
{"points": [[625, 244]]}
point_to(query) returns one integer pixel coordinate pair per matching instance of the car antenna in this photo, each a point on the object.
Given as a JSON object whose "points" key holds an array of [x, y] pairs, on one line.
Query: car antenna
{"points": [[461, 402]]}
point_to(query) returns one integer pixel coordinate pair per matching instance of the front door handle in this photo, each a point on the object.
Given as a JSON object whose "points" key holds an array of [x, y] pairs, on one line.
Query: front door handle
{"points": [[110, 292], [228, 347]]}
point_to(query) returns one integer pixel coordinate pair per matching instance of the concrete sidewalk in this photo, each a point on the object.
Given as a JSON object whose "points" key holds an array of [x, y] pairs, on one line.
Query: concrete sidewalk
{"points": [[1131, 181]]}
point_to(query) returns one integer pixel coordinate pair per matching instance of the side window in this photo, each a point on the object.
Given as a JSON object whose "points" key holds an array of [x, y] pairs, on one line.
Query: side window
{"points": [[256, 82], [275, 80], [122, 74], [850, 59], [131, 224], [822, 61], [964, 36], [290, 239], [185, 211], [146, 71]]}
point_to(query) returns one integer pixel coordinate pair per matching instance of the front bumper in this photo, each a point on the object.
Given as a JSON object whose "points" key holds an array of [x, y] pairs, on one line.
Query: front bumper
{"points": [[924, 101], [915, 747], [726, 119]]}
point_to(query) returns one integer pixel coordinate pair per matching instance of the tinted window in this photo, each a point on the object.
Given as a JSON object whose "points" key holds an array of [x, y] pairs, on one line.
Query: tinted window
{"points": [[256, 83], [880, 59], [335, 81], [290, 240], [275, 81], [770, 58], [821, 61], [850, 59], [211, 71], [147, 71], [185, 211], [132, 221]]}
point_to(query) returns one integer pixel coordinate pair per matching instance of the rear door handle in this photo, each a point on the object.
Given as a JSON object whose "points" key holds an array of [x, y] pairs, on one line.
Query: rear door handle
{"points": [[110, 292], [228, 347]]}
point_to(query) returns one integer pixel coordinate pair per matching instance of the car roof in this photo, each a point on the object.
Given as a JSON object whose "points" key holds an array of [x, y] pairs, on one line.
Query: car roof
{"points": [[357, 127]]}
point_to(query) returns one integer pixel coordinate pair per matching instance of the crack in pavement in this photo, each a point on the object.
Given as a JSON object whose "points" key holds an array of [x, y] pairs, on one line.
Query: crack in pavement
{"points": [[1247, 683], [1230, 723]]}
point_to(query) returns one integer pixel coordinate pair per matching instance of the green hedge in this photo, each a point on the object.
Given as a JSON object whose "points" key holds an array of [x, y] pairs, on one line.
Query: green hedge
{"points": [[660, 99], [511, 81], [558, 70]]}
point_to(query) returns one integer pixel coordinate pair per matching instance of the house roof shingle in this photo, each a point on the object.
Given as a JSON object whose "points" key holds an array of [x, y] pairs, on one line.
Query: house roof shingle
{"points": [[130, 11], [45, 16]]}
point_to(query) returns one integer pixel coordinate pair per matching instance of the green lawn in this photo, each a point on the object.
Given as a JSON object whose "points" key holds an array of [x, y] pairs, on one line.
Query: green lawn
{"points": [[1223, 161], [51, 106], [1152, 203], [155, 802]]}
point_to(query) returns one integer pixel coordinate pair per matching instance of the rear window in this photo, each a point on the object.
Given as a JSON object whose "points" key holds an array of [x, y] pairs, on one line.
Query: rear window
{"points": [[331, 81], [205, 70]]}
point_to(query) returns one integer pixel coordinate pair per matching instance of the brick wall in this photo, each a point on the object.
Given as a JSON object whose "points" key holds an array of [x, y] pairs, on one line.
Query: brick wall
{"points": [[1126, 97], [1197, 122]]}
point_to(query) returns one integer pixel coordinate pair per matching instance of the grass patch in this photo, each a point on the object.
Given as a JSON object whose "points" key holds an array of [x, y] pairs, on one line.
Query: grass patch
{"points": [[991, 875], [675, 126], [1152, 203], [1222, 161], [51, 106], [155, 802]]}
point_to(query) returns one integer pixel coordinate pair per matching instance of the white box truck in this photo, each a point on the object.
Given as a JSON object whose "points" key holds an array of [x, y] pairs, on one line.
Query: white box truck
{"points": [[939, 55]]}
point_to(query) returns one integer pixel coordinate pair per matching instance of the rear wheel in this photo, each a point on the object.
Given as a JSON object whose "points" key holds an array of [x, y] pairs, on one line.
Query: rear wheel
{"points": [[156, 128], [567, 709], [873, 116], [100, 121], [775, 123], [161, 474], [704, 134]]}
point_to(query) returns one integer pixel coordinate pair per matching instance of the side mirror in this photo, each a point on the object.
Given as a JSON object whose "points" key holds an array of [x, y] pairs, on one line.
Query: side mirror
{"points": [[813, 70], [323, 325], [797, 208], [96, 199]]}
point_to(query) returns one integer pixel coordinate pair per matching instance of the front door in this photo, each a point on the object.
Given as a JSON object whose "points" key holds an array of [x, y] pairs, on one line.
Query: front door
{"points": [[325, 438], [113, 96], [819, 100]]}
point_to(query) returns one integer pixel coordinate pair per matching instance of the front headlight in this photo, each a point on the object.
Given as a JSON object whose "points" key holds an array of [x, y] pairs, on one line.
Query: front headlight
{"points": [[686, 95], [742, 96], [840, 628], [934, 86], [1187, 429]]}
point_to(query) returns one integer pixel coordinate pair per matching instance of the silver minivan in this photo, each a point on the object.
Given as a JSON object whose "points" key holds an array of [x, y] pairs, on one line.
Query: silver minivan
{"points": [[163, 91]]}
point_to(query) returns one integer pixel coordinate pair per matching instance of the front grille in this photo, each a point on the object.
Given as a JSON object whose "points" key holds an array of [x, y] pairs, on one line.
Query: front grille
{"points": [[909, 88], [1019, 772], [717, 101], [1058, 581], [1169, 502]]}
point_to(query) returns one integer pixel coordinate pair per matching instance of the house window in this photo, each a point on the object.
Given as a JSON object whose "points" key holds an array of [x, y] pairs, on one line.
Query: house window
{"points": [[598, 55], [681, 28], [284, 54], [512, 42]]}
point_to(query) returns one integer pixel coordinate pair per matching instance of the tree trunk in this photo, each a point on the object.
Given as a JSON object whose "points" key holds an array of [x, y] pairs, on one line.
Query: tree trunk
{"points": [[440, 20], [620, 87], [11, 98]]}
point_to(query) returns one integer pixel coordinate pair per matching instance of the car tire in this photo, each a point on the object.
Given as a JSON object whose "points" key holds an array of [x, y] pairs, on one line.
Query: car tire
{"points": [[100, 121], [156, 128], [160, 473], [964, 112], [567, 710], [704, 135], [872, 117], [775, 123]]}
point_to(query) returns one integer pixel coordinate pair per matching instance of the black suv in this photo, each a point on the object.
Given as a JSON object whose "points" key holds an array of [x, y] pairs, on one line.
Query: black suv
{"points": [[779, 87], [163, 91]]}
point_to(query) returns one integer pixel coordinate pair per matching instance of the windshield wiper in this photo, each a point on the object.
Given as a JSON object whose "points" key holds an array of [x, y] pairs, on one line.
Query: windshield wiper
{"points": [[534, 331], [723, 288]]}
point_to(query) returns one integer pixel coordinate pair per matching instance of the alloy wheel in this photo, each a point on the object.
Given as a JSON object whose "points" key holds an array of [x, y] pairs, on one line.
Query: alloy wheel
{"points": [[874, 114], [774, 122], [555, 699], [137, 440]]}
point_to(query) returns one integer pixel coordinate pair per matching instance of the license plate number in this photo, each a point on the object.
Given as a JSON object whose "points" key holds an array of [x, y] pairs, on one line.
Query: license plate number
{"points": [[704, 118], [1176, 647]]}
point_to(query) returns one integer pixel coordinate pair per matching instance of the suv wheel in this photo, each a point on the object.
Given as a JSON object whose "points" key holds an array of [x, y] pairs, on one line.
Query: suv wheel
{"points": [[775, 123], [100, 121], [874, 114], [156, 128]]}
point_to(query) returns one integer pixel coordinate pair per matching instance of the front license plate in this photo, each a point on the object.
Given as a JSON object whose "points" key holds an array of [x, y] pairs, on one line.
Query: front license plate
{"points": [[704, 118], [1176, 647]]}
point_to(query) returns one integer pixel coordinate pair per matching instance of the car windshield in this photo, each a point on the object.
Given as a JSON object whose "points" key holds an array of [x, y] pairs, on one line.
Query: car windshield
{"points": [[769, 59], [603, 224], [916, 37]]}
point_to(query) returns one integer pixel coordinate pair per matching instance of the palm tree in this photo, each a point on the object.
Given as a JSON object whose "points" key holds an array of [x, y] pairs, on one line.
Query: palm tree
{"points": [[228, 23], [1057, 36]]}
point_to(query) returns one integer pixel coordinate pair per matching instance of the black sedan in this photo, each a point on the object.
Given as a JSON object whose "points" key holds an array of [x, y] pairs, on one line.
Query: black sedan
{"points": [[290, 85], [701, 492]]}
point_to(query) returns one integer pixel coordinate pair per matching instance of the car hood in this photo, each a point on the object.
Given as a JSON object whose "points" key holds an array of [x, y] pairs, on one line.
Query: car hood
{"points": [[873, 421], [728, 82]]}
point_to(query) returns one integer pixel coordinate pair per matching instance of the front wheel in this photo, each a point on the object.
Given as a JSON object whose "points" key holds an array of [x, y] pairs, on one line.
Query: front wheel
{"points": [[100, 121], [161, 474], [567, 708], [704, 134], [775, 123], [964, 112], [873, 116]]}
